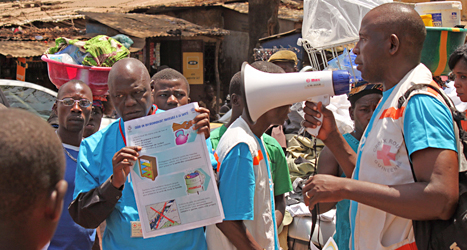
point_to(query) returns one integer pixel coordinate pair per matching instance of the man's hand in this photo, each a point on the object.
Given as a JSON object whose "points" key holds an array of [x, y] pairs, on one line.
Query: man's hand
{"points": [[323, 188], [202, 122], [316, 110], [122, 161]]}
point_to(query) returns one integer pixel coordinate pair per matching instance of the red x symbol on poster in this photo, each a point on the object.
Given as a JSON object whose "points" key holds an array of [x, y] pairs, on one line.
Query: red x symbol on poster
{"points": [[161, 214]]}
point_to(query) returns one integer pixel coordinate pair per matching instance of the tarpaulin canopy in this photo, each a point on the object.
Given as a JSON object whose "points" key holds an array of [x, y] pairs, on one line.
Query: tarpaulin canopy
{"points": [[334, 22]]}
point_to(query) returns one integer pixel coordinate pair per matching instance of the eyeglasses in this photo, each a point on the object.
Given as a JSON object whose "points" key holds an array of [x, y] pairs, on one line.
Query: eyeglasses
{"points": [[83, 103]]}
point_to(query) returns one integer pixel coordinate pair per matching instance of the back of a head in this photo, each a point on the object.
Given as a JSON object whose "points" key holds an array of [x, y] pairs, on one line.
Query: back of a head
{"points": [[267, 67], [264, 66], [32, 163], [170, 74], [235, 84], [401, 19]]}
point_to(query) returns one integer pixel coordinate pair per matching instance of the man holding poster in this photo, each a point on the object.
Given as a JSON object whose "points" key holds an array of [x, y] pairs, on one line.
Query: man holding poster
{"points": [[103, 189], [173, 182]]}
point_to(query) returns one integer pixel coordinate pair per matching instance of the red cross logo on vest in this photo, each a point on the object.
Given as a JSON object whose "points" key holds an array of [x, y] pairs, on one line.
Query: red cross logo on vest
{"points": [[385, 155]]}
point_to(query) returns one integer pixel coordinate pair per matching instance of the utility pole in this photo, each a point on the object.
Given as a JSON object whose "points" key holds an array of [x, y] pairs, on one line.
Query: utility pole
{"points": [[262, 21]]}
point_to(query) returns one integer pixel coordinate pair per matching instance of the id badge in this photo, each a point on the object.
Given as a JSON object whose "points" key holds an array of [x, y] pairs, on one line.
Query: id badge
{"points": [[136, 230]]}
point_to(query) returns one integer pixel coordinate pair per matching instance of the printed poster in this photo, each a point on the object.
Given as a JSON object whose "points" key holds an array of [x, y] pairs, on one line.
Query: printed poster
{"points": [[173, 179]]}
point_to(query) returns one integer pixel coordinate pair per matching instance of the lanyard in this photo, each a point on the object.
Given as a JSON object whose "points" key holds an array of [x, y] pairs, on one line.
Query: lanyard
{"points": [[120, 124]]}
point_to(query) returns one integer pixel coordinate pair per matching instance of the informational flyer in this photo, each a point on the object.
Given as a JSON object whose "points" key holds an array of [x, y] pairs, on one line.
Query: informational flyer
{"points": [[173, 179]]}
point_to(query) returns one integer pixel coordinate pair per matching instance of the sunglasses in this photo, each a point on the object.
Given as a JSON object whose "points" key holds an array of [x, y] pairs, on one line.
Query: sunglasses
{"points": [[84, 103]]}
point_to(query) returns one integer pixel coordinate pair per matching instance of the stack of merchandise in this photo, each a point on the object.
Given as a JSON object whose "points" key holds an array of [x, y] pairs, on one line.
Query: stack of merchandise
{"points": [[100, 51]]}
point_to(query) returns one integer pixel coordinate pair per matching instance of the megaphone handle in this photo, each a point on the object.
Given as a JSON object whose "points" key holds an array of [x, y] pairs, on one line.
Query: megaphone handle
{"points": [[325, 100], [314, 131]]}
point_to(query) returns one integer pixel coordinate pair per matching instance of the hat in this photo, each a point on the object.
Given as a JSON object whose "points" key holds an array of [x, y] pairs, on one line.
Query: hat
{"points": [[98, 103], [284, 56], [363, 88]]}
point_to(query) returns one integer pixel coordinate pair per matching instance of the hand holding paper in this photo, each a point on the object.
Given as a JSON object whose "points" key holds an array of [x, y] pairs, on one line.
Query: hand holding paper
{"points": [[202, 122], [122, 161]]}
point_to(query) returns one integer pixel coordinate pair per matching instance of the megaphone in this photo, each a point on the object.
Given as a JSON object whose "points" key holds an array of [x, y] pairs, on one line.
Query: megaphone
{"points": [[265, 91]]}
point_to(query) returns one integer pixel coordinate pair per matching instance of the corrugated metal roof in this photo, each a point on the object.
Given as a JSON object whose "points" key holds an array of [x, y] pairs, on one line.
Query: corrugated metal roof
{"points": [[25, 12], [22, 49], [286, 13], [43, 34], [290, 32], [142, 25], [22, 13]]}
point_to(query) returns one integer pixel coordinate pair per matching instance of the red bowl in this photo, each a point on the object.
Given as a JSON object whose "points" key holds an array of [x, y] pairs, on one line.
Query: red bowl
{"points": [[95, 77]]}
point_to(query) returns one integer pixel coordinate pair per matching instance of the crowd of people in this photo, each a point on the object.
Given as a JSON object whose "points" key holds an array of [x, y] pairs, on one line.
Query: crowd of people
{"points": [[399, 164]]}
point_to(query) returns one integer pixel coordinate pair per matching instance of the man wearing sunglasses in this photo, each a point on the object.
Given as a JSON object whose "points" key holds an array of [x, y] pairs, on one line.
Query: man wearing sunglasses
{"points": [[103, 190], [73, 108]]}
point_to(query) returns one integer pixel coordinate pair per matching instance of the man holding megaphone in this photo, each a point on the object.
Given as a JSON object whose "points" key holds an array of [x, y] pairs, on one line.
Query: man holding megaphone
{"points": [[406, 167], [244, 175], [245, 184]]}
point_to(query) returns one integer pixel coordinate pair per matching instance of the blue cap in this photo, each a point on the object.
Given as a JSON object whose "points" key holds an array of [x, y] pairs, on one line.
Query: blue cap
{"points": [[341, 82]]}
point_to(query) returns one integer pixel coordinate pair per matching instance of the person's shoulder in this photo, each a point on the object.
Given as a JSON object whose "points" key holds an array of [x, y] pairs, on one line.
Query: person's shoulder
{"points": [[238, 131], [100, 135], [235, 134], [239, 152], [219, 132], [428, 103], [271, 141], [215, 134], [158, 111]]}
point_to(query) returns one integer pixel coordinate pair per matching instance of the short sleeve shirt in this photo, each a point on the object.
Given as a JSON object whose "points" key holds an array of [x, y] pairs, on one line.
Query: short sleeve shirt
{"points": [[278, 163], [237, 171]]}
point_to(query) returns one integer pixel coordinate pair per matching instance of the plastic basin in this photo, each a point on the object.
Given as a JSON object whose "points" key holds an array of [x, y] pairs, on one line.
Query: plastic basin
{"points": [[439, 44], [95, 77]]}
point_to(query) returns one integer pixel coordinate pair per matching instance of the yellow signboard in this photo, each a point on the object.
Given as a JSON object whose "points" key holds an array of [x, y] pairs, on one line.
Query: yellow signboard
{"points": [[193, 67]]}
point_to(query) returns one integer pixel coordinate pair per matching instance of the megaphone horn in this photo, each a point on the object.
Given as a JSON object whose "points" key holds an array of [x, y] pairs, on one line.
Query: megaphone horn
{"points": [[265, 91]]}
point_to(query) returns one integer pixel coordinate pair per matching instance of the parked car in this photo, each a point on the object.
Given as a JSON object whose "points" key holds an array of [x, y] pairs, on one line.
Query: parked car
{"points": [[34, 98]]}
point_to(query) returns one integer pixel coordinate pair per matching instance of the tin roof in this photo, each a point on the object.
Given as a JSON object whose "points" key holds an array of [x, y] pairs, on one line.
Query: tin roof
{"points": [[287, 33], [39, 34], [285, 11], [22, 48], [26, 12], [143, 25]]}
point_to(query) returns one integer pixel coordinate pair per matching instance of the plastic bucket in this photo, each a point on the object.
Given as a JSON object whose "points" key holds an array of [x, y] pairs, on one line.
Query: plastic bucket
{"points": [[439, 44], [444, 13], [95, 77]]}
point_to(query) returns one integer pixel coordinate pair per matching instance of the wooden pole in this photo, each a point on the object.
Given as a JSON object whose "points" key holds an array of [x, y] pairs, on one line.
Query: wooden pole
{"points": [[216, 71]]}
